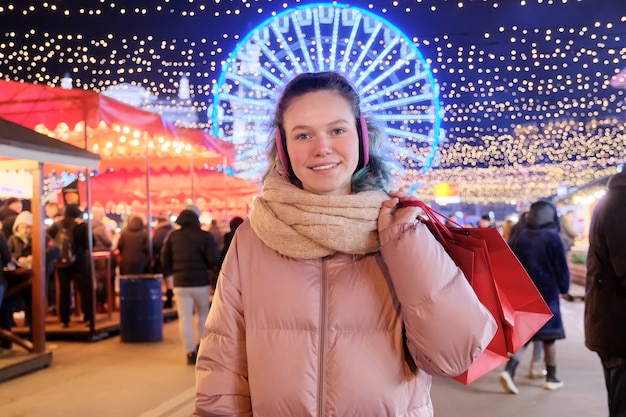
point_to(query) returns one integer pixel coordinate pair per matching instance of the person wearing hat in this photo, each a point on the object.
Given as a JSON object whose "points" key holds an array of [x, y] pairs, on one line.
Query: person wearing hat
{"points": [[8, 212], [20, 242], [190, 253]]}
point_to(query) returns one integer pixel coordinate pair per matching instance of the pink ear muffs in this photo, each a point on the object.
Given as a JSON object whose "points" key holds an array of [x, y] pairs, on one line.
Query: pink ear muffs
{"points": [[364, 143], [364, 146]]}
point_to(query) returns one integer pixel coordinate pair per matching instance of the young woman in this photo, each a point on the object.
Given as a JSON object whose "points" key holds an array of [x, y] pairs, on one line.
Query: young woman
{"points": [[333, 300]]}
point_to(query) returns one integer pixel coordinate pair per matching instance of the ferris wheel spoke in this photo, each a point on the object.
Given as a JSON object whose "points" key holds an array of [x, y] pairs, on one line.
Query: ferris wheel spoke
{"points": [[401, 150], [253, 172], [348, 51], [318, 40], [384, 75], [255, 87], [365, 49], [406, 115], [284, 42], [407, 154], [395, 87], [335, 39], [409, 134], [401, 102], [251, 152], [250, 117], [272, 57], [265, 104], [371, 67], [271, 77], [301, 40]]}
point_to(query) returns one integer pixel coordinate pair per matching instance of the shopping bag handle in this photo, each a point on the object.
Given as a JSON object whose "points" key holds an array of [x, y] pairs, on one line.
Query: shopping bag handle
{"points": [[439, 228]]}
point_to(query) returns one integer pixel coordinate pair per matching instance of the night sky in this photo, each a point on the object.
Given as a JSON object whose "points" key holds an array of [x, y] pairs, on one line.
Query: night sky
{"points": [[510, 72]]}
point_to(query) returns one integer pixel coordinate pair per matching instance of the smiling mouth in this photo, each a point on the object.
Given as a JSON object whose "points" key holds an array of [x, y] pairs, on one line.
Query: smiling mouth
{"points": [[323, 167]]}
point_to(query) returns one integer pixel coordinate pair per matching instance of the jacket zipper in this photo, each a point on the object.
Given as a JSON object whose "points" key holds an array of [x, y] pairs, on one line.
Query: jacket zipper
{"points": [[321, 391]]}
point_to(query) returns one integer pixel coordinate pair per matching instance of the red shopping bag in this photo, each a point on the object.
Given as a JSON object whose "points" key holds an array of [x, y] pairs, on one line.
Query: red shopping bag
{"points": [[487, 261], [479, 275], [524, 309]]}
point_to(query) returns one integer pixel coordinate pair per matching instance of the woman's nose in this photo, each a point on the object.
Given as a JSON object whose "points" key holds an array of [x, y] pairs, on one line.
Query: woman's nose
{"points": [[323, 145]]}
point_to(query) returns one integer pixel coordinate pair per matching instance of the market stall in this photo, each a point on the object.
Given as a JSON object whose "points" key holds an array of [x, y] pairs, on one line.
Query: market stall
{"points": [[134, 145], [25, 151], [222, 196]]}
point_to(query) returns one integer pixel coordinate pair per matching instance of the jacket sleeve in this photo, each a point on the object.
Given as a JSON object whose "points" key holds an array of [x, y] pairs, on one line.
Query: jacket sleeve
{"points": [[221, 368], [166, 255], [615, 242], [447, 327]]}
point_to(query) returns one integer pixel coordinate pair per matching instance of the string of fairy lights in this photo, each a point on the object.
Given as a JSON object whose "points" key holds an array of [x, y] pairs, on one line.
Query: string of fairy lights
{"points": [[531, 93]]}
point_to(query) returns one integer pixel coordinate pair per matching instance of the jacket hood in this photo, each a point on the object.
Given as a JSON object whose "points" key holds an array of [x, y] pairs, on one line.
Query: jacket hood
{"points": [[188, 218], [542, 215], [135, 223], [617, 180], [23, 217], [164, 224]]}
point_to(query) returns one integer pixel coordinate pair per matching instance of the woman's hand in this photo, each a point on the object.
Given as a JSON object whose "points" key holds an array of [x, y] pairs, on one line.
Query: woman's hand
{"points": [[391, 213]]}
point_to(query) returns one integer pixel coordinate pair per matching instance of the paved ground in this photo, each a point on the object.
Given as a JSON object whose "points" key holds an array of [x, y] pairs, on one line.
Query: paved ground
{"points": [[111, 378]]}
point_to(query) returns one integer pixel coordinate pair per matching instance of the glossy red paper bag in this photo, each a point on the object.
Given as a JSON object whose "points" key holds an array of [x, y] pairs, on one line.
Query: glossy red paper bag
{"points": [[471, 256], [518, 316], [523, 307], [479, 275]]}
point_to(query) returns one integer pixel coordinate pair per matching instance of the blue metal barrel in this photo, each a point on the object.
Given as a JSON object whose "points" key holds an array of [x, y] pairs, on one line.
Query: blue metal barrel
{"points": [[141, 308]]}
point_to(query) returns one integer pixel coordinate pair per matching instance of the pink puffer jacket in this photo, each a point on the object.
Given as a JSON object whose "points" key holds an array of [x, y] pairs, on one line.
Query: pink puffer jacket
{"points": [[338, 336]]}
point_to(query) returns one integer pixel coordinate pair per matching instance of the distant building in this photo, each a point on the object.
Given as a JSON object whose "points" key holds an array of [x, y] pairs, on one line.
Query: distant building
{"points": [[178, 110]]}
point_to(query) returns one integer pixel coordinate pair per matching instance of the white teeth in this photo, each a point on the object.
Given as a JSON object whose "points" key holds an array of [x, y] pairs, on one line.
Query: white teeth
{"points": [[324, 167]]}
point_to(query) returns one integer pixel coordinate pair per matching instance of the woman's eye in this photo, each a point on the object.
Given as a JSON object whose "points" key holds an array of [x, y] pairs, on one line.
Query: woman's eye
{"points": [[339, 131], [302, 136]]}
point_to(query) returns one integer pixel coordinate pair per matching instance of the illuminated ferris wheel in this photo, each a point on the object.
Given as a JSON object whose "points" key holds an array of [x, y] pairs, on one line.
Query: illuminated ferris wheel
{"points": [[396, 84]]}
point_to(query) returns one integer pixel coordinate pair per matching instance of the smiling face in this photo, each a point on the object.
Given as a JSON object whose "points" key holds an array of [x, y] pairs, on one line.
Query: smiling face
{"points": [[322, 142]]}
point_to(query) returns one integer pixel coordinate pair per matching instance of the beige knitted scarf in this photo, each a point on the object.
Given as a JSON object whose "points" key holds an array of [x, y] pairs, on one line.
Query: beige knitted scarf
{"points": [[303, 225]]}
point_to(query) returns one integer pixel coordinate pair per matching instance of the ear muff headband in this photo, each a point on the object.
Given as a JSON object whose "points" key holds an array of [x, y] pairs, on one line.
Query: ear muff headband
{"points": [[364, 146], [364, 143]]}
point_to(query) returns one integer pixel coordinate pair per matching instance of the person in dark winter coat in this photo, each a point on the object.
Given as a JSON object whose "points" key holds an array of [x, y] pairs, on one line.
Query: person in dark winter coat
{"points": [[5, 260], [540, 250], [235, 222], [605, 297], [8, 212], [162, 229], [80, 271], [133, 248], [190, 253], [5, 312]]}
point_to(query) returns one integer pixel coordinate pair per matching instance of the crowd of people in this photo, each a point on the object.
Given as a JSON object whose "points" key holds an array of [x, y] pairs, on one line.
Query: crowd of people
{"points": [[129, 252]]}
